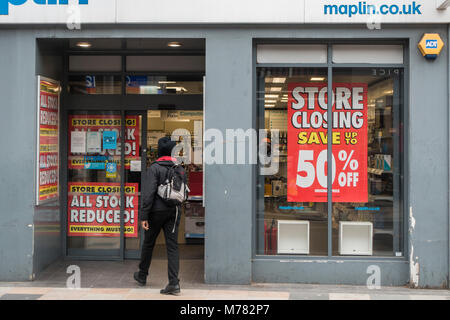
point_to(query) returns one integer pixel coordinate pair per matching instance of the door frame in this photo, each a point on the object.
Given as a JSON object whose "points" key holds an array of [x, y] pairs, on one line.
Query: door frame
{"points": [[136, 254], [125, 104], [111, 103]]}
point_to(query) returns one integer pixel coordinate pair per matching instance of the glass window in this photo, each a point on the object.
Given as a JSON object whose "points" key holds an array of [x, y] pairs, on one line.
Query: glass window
{"points": [[371, 159], [94, 84], [142, 84], [364, 131], [286, 225]]}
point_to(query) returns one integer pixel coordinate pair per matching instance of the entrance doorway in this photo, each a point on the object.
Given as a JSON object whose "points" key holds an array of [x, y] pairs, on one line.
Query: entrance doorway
{"points": [[112, 120], [186, 127]]}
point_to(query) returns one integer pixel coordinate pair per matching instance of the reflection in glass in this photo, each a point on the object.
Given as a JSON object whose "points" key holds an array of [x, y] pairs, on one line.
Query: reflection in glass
{"points": [[94, 84], [142, 84]]}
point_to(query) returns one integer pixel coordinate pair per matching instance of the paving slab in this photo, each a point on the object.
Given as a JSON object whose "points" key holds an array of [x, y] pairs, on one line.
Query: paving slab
{"points": [[15, 296]]}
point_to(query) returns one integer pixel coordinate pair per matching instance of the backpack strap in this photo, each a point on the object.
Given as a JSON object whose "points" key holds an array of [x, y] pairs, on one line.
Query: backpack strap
{"points": [[168, 169]]}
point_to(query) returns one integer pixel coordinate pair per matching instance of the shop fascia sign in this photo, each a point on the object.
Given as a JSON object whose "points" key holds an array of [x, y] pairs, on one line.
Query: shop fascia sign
{"points": [[229, 12], [5, 4]]}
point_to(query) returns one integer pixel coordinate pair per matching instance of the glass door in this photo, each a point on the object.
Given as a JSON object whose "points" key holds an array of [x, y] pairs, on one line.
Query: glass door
{"points": [[94, 183], [103, 197]]}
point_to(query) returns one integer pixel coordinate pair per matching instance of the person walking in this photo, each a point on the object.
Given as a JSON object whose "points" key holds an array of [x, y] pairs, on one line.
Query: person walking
{"points": [[157, 214]]}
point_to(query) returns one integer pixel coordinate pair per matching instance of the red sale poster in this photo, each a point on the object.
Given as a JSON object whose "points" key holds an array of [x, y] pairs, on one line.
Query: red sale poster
{"points": [[308, 138], [48, 141], [94, 209]]}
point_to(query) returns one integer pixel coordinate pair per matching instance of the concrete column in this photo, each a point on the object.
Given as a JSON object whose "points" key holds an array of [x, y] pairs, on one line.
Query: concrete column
{"points": [[18, 122], [229, 195]]}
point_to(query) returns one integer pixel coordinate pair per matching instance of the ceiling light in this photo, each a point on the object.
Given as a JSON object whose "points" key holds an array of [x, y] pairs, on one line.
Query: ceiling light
{"points": [[271, 96], [84, 44], [279, 80], [167, 82], [174, 44], [318, 78], [271, 101], [269, 106], [276, 89]]}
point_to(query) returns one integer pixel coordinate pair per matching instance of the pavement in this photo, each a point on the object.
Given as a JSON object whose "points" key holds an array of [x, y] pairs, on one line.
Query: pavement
{"points": [[112, 280]]}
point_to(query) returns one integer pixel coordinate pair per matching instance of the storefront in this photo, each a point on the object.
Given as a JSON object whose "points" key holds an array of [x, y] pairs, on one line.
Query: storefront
{"points": [[254, 79]]}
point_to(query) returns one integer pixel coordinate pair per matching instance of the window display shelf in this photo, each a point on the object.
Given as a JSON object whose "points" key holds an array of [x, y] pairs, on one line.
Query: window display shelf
{"points": [[293, 237], [355, 238]]}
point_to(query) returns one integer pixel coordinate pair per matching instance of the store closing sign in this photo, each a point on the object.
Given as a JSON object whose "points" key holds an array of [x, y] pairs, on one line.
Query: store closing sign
{"points": [[308, 138], [94, 209], [108, 127], [48, 141]]}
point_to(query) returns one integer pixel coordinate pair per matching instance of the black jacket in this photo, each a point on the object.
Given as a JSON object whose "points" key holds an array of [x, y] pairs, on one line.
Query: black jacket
{"points": [[156, 174]]}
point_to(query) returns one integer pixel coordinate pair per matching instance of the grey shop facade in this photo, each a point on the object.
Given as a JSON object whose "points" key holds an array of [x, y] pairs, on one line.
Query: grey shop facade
{"points": [[233, 76]]}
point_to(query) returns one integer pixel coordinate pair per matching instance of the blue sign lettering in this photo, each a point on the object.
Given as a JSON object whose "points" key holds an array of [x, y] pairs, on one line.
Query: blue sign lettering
{"points": [[431, 44], [4, 4]]}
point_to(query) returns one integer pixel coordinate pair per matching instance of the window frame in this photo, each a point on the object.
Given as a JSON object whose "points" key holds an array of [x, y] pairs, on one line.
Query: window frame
{"points": [[330, 65]]}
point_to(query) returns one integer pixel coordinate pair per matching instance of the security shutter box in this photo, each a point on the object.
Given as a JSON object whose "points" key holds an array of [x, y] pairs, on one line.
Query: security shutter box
{"points": [[293, 237]]}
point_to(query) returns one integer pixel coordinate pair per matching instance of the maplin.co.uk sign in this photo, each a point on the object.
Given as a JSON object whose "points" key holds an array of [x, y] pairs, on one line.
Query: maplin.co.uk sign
{"points": [[4, 4]]}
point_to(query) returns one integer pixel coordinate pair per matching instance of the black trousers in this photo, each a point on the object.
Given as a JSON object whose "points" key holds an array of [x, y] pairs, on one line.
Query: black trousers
{"points": [[162, 220]]}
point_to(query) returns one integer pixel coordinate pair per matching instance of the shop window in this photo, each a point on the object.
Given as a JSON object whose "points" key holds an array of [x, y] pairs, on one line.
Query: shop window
{"points": [[377, 151], [363, 132], [291, 53], [286, 226], [95, 84]]}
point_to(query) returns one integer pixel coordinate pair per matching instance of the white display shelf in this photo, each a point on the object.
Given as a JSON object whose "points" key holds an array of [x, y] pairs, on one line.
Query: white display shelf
{"points": [[293, 237], [355, 238]]}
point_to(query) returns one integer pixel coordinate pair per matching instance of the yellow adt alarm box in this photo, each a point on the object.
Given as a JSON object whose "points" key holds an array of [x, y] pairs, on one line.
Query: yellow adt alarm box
{"points": [[431, 45]]}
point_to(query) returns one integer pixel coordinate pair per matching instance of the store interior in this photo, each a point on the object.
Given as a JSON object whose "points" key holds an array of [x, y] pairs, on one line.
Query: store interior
{"points": [[384, 155]]}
